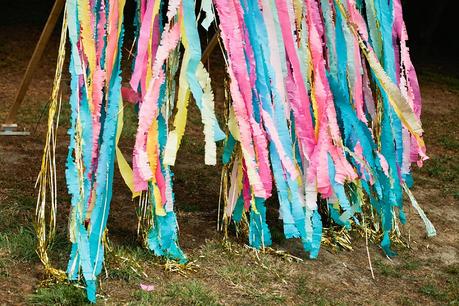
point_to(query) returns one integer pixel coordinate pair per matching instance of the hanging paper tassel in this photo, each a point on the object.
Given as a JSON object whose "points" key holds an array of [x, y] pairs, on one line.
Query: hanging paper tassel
{"points": [[155, 45], [156, 64], [323, 122], [96, 33]]}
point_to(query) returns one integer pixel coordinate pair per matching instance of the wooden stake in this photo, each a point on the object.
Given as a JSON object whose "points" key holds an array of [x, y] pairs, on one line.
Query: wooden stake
{"points": [[35, 59], [210, 48]]}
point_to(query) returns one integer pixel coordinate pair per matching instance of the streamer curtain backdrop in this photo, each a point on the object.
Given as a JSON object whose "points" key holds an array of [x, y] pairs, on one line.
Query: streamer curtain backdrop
{"points": [[323, 110]]}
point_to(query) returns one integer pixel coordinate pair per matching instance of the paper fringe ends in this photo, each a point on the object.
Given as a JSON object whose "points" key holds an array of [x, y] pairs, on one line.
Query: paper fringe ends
{"points": [[322, 101]]}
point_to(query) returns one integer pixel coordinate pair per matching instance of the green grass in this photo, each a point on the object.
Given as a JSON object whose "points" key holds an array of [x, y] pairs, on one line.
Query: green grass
{"points": [[19, 244], [446, 293], [130, 122], [448, 142], [311, 295], [411, 265], [405, 301], [126, 263], [141, 297], [452, 288], [445, 170], [433, 292], [25, 202], [190, 292], [387, 269], [453, 270], [60, 247], [256, 277], [16, 212], [441, 170], [8, 218], [4, 268], [192, 146], [59, 294]]}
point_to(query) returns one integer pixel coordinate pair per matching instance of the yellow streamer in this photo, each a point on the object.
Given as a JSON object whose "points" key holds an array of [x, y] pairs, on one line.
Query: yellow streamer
{"points": [[123, 166]]}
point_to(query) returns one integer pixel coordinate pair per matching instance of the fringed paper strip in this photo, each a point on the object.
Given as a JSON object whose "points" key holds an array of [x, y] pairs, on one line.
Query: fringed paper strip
{"points": [[96, 35], [153, 79]]}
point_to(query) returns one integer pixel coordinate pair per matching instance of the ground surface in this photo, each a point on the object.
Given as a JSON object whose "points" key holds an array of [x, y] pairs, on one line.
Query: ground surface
{"points": [[224, 273]]}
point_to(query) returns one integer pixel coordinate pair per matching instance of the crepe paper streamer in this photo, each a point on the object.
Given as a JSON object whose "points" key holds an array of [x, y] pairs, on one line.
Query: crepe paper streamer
{"points": [[323, 104], [206, 6], [154, 46], [199, 83], [332, 120], [95, 33], [430, 229], [156, 147], [124, 167]]}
